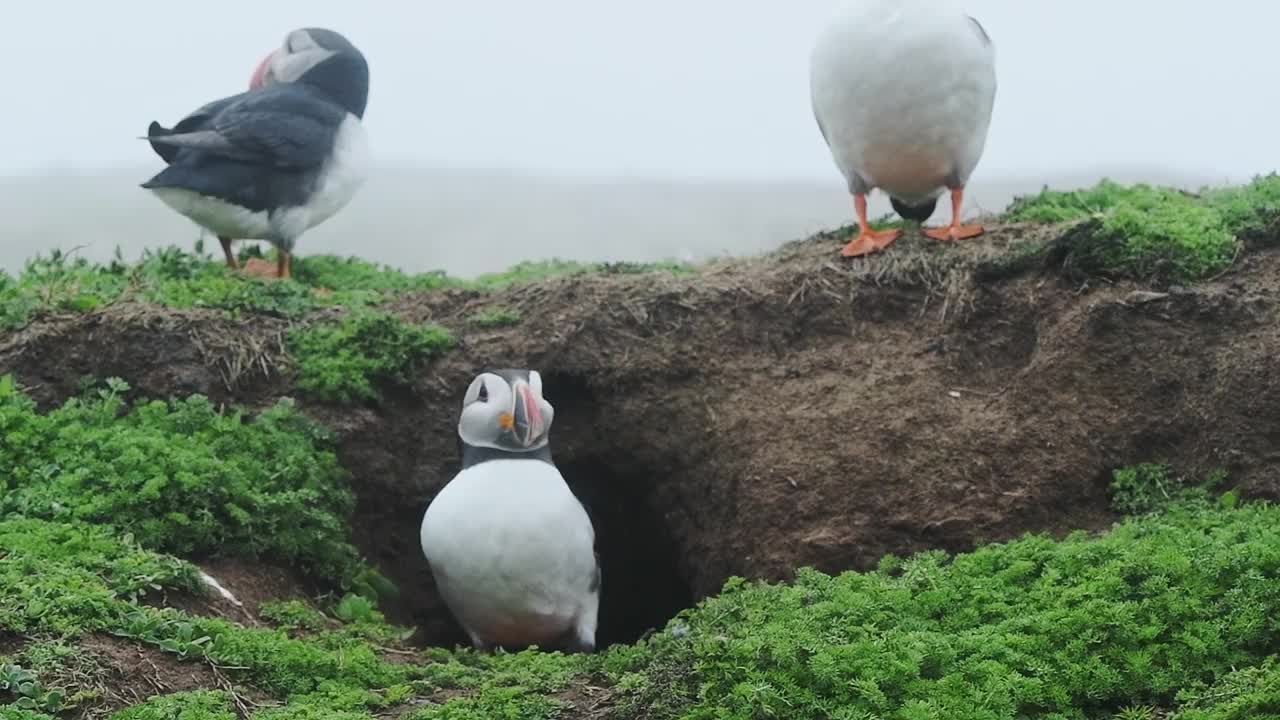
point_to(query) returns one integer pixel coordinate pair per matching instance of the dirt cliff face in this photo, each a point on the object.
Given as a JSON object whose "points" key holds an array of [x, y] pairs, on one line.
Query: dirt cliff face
{"points": [[790, 410]]}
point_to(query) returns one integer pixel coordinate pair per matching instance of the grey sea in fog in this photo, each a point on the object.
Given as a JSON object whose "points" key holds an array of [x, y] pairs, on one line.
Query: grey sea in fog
{"points": [[474, 221]]}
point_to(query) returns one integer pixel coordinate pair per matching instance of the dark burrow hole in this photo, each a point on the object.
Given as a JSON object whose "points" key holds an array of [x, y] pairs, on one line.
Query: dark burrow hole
{"points": [[641, 584]]}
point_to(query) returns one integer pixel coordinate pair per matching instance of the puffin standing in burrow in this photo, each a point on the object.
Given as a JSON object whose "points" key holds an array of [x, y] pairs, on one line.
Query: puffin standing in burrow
{"points": [[273, 162], [903, 92], [511, 548]]}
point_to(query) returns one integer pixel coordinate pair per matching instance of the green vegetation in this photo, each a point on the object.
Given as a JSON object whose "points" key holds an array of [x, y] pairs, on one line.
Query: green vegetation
{"points": [[347, 361], [168, 276], [30, 693], [69, 577], [353, 274], [73, 579], [1156, 232], [1252, 693], [1175, 610], [1032, 629], [1151, 487], [202, 705], [176, 278], [180, 476], [496, 317], [535, 270]]}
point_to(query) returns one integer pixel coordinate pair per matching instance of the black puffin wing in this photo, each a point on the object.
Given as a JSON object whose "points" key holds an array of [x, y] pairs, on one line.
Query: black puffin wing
{"points": [[284, 126], [203, 115]]}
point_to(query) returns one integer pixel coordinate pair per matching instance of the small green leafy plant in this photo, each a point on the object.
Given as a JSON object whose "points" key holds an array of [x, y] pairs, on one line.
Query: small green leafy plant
{"points": [[1137, 230], [496, 317], [182, 476], [30, 694], [348, 361], [174, 636], [1150, 487], [1146, 231]]}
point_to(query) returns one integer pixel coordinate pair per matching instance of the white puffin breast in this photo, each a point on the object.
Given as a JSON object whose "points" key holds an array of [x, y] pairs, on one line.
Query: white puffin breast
{"points": [[903, 91], [344, 173], [341, 176], [511, 547]]}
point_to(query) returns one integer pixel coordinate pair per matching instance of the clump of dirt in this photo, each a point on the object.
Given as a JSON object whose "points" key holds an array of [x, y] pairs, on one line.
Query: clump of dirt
{"points": [[795, 409]]}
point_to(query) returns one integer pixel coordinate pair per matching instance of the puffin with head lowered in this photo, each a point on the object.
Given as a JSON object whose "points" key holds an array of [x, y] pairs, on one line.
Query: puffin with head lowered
{"points": [[273, 162], [903, 92], [511, 548]]}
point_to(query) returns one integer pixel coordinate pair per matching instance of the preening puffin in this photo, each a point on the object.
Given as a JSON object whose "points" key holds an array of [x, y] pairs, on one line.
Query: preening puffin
{"points": [[902, 91], [511, 548], [273, 162]]}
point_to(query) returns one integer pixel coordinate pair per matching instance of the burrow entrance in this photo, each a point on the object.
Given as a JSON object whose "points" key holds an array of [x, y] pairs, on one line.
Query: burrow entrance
{"points": [[641, 584]]}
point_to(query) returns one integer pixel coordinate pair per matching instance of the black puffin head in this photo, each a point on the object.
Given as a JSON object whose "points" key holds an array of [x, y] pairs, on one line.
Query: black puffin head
{"points": [[323, 59], [915, 213], [505, 415]]}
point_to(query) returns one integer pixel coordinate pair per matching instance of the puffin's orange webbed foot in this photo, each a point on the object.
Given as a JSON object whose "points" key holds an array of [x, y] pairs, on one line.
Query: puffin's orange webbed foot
{"points": [[951, 233], [869, 241], [955, 231]]}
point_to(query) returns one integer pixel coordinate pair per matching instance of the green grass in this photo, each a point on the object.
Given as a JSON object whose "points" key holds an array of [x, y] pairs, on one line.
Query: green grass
{"points": [[353, 274], [167, 276], [172, 277], [68, 578], [496, 317], [536, 270], [181, 476], [1248, 210], [1151, 232], [1251, 693], [201, 705], [351, 360], [1151, 487]]}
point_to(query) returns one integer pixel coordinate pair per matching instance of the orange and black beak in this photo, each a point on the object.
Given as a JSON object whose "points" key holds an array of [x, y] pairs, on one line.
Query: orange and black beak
{"points": [[528, 425]]}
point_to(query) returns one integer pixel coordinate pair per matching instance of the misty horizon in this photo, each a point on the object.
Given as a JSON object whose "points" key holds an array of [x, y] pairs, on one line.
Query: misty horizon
{"points": [[507, 132], [476, 220]]}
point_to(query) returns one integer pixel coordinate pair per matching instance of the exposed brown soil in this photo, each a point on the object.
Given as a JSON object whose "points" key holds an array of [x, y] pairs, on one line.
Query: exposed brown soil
{"points": [[789, 410], [128, 673], [251, 583]]}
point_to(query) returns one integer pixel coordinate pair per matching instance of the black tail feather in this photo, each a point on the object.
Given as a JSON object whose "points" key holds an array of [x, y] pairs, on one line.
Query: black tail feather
{"points": [[166, 152], [917, 213]]}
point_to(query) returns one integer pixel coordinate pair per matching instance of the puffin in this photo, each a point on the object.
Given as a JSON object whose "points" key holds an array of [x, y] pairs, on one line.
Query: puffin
{"points": [[277, 160], [512, 550], [902, 91]]}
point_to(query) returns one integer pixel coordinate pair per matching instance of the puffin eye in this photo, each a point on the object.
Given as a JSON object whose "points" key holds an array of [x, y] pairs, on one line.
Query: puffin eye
{"points": [[484, 393]]}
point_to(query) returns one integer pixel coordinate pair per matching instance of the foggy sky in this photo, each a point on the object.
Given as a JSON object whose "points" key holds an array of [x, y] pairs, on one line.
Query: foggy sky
{"points": [[507, 131], [713, 89]]}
